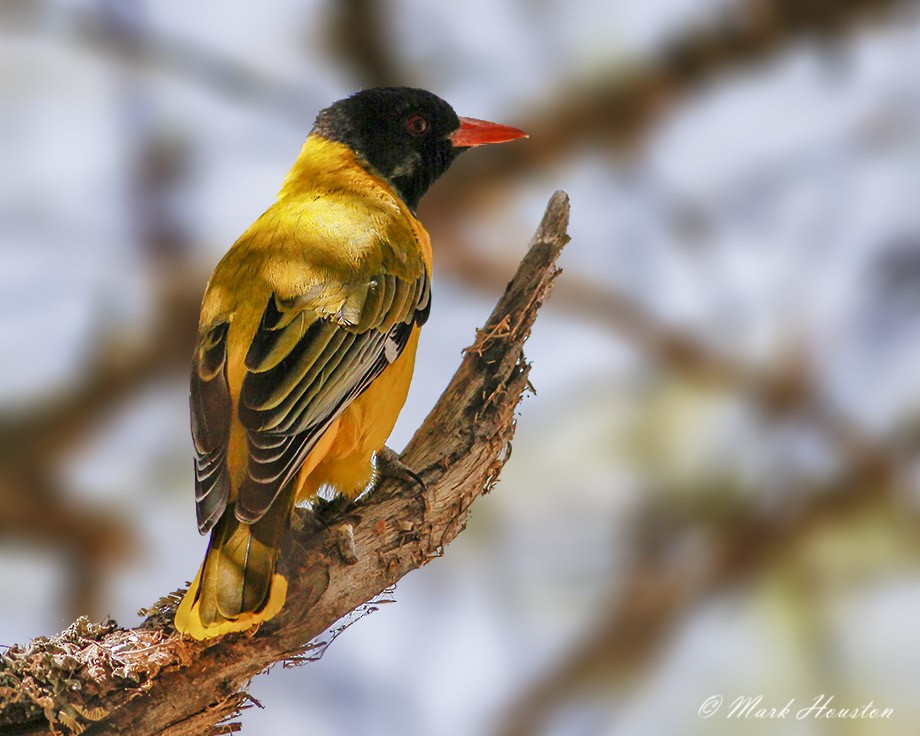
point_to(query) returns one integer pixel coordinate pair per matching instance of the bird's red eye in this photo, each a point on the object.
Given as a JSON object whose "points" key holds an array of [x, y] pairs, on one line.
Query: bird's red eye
{"points": [[417, 124]]}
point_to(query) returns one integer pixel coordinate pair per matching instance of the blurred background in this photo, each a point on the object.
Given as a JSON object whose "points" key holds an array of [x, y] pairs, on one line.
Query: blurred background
{"points": [[715, 489]]}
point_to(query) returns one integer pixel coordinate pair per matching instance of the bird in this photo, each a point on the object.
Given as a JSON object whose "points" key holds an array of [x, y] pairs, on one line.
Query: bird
{"points": [[307, 339]]}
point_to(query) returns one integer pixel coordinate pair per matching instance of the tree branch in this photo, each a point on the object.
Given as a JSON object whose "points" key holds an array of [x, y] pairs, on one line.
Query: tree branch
{"points": [[359, 36], [150, 679], [782, 390], [663, 584], [34, 503], [618, 108]]}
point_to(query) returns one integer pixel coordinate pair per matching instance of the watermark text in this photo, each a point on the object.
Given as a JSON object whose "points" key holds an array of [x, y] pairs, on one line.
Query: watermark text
{"points": [[822, 707]]}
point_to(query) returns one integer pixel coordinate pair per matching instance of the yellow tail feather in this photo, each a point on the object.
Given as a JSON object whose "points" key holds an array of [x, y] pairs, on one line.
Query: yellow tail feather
{"points": [[237, 586]]}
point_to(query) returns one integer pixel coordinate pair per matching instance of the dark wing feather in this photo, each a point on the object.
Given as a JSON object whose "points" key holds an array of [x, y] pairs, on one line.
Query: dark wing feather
{"points": [[209, 398], [303, 371]]}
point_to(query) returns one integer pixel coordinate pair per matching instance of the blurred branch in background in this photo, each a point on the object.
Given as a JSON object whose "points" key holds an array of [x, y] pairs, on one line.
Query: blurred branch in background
{"points": [[783, 391], [34, 443], [728, 546], [620, 108], [92, 29], [358, 34], [664, 584]]}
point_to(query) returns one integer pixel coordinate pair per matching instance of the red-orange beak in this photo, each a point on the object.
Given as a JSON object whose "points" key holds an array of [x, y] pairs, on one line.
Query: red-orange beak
{"points": [[473, 132]]}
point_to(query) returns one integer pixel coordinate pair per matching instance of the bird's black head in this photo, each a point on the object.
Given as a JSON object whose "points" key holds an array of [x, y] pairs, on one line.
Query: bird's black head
{"points": [[408, 136]]}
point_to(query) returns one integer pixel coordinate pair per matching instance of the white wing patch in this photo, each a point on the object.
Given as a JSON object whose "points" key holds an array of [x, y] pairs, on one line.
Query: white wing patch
{"points": [[390, 349]]}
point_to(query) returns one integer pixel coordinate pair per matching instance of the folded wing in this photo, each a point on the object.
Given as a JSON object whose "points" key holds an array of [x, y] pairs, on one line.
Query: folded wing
{"points": [[304, 367]]}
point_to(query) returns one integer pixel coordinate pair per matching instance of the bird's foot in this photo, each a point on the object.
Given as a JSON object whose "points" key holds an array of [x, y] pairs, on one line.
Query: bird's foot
{"points": [[389, 465], [329, 508]]}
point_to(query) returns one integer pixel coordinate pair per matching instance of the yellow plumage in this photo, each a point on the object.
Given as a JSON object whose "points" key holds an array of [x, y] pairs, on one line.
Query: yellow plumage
{"points": [[333, 276], [307, 339]]}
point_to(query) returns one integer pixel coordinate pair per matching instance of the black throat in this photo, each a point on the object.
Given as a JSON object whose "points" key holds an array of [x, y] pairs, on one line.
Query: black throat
{"points": [[377, 125], [412, 185]]}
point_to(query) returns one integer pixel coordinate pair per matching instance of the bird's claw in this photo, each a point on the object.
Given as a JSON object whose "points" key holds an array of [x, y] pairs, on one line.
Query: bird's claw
{"points": [[389, 465]]}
